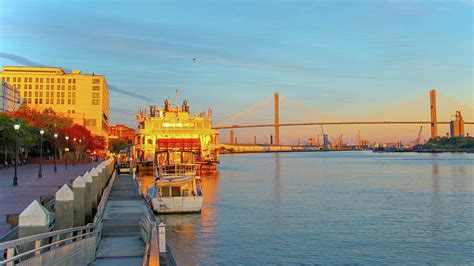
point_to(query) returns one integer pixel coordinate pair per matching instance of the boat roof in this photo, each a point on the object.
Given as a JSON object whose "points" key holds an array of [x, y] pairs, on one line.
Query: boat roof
{"points": [[173, 180]]}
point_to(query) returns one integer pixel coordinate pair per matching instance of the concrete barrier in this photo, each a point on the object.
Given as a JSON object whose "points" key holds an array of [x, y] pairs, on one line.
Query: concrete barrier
{"points": [[79, 188], [35, 219], [64, 209], [96, 189], [88, 199]]}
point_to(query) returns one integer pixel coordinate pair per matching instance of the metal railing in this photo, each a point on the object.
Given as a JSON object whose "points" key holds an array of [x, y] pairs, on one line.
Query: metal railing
{"points": [[149, 233], [59, 242]]}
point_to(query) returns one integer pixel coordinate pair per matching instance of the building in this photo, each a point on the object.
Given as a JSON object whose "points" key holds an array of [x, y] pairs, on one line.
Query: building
{"points": [[10, 100], [121, 132], [82, 97], [171, 130], [456, 126]]}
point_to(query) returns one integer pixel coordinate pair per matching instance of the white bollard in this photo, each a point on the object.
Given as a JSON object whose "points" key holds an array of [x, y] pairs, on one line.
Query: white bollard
{"points": [[162, 237]]}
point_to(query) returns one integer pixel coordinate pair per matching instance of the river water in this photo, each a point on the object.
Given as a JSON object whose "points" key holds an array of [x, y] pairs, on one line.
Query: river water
{"points": [[331, 208]]}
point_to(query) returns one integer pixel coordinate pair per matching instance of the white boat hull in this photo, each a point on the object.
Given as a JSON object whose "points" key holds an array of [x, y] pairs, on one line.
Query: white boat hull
{"points": [[180, 204]]}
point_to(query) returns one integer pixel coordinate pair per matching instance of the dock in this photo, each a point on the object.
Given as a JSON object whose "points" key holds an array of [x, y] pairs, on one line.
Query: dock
{"points": [[121, 242]]}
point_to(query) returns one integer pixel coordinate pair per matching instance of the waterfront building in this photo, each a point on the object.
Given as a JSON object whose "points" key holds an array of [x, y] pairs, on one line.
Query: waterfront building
{"points": [[172, 131], [121, 132], [456, 126], [10, 100], [82, 97]]}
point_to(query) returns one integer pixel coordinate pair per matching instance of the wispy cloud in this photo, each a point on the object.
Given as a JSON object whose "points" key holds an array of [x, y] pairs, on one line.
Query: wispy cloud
{"points": [[27, 62], [114, 88]]}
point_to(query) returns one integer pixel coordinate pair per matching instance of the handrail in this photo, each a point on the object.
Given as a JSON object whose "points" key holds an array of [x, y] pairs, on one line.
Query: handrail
{"points": [[42, 241], [151, 255]]}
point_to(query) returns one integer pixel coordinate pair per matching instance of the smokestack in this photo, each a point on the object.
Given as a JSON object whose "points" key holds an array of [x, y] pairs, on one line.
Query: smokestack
{"points": [[434, 120], [277, 119], [231, 136]]}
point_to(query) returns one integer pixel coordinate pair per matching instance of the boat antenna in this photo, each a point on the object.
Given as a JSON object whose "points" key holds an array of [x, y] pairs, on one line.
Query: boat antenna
{"points": [[176, 100]]}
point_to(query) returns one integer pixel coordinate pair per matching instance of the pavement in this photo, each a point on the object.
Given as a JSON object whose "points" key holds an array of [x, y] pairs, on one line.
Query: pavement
{"points": [[14, 199]]}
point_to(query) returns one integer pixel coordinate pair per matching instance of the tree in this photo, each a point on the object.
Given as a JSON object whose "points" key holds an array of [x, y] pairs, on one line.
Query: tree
{"points": [[117, 145]]}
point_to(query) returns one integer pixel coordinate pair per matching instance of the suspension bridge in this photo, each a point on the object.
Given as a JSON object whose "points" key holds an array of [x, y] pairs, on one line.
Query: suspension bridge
{"points": [[232, 122]]}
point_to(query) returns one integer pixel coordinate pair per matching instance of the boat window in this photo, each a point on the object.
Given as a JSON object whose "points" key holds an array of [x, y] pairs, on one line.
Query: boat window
{"points": [[175, 191], [165, 191]]}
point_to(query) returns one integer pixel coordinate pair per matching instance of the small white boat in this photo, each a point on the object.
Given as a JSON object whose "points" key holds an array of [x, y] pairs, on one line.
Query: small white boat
{"points": [[177, 189]]}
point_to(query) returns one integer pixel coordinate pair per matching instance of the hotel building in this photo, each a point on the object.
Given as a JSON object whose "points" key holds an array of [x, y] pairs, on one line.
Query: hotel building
{"points": [[82, 97]]}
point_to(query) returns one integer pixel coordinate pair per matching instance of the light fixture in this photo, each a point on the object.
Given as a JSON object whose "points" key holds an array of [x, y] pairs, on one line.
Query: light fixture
{"points": [[16, 125]]}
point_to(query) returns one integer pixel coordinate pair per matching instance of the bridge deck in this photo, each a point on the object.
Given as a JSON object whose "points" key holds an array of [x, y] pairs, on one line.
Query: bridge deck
{"points": [[121, 243]]}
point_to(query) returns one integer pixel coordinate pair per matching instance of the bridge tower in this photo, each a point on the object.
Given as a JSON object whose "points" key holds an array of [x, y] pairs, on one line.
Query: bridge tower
{"points": [[277, 119], [434, 120]]}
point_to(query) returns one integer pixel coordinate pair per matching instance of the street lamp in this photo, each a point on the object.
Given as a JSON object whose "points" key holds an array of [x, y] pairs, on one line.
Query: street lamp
{"points": [[40, 173], [55, 150], [73, 151], [16, 126], [67, 147], [80, 148]]}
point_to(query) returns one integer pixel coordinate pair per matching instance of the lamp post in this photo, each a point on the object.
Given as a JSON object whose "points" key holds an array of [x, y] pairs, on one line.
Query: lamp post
{"points": [[55, 150], [16, 126], [67, 147], [80, 148], [40, 173], [73, 151]]}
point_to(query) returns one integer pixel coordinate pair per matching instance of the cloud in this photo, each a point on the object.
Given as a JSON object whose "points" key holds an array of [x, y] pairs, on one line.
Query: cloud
{"points": [[122, 110], [18, 59], [25, 61], [129, 93]]}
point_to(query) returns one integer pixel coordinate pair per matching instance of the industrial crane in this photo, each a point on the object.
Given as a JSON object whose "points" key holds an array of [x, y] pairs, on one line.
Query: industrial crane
{"points": [[419, 136]]}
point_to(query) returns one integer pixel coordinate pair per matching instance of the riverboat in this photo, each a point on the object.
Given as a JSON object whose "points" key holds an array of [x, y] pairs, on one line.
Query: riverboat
{"points": [[174, 130]]}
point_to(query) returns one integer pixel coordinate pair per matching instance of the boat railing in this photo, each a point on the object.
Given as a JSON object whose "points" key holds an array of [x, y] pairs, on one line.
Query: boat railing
{"points": [[179, 169], [55, 246]]}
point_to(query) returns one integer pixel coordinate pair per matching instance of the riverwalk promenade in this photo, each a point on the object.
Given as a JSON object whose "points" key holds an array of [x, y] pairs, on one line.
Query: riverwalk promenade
{"points": [[14, 199]]}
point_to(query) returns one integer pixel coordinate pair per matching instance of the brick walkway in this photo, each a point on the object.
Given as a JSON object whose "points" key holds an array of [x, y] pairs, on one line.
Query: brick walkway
{"points": [[14, 200]]}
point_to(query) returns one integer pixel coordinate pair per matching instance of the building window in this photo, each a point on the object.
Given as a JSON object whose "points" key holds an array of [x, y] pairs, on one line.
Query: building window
{"points": [[95, 101], [95, 88], [8, 79], [52, 80], [14, 79], [47, 87], [30, 86], [36, 80], [95, 81], [47, 80], [73, 81], [90, 122], [63, 81], [41, 80]]}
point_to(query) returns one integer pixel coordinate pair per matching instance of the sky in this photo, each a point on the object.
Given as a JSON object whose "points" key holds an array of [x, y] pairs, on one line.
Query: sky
{"points": [[347, 59]]}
